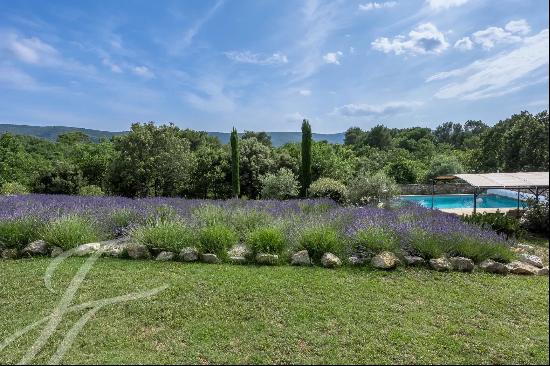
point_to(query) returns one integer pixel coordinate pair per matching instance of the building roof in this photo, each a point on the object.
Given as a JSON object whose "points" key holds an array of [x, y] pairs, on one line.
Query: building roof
{"points": [[506, 180]]}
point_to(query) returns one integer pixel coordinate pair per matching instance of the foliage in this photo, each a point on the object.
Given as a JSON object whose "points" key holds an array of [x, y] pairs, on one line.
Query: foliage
{"points": [[235, 175], [379, 137], [428, 245], [320, 240], [376, 239], [256, 159], [404, 171], [217, 239], [444, 165], [328, 188], [536, 217], [499, 222], [70, 231], [13, 188], [91, 190], [305, 170], [270, 240], [169, 235], [366, 188], [63, 178], [262, 137], [281, 185], [16, 233]]}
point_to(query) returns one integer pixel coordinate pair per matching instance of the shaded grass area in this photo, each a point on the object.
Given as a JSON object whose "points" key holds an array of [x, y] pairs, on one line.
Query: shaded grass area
{"points": [[249, 314]]}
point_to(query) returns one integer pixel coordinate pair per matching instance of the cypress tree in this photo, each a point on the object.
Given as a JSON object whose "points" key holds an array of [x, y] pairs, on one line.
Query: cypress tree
{"points": [[306, 158], [235, 181]]}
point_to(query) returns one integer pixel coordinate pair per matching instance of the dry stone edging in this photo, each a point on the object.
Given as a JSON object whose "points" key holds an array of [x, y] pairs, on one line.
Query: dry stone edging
{"points": [[385, 260], [491, 266], [36, 248], [301, 258], [531, 259], [462, 264], [441, 264], [521, 268], [329, 260]]}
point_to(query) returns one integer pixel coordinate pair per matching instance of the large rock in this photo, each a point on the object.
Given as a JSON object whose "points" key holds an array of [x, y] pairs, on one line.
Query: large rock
{"points": [[86, 249], [384, 260], [526, 248], [237, 259], [412, 260], [329, 260], [38, 247], [301, 258], [238, 250], [137, 251], [10, 253], [210, 258], [491, 266], [189, 254], [543, 271], [264, 258], [521, 268], [165, 256], [356, 261], [55, 252], [441, 264], [462, 264], [531, 259]]}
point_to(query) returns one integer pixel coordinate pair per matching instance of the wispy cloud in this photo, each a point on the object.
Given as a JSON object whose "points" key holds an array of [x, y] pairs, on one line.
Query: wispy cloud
{"points": [[445, 4], [464, 44], [143, 71], [375, 5], [425, 38], [248, 57], [370, 110], [498, 75], [31, 50], [511, 33], [305, 92]]}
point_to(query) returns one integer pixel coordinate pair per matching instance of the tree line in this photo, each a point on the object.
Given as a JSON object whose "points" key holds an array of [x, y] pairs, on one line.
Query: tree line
{"points": [[165, 160]]}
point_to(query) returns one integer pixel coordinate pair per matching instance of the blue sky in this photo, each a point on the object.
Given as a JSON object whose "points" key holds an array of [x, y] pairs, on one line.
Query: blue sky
{"points": [[265, 65]]}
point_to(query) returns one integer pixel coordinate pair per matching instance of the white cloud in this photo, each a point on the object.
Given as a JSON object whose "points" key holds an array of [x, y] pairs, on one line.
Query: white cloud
{"points": [[498, 75], [143, 71], [31, 50], [111, 65], [518, 26], [248, 57], [369, 110], [375, 5], [445, 4], [464, 44], [425, 38], [352, 50], [305, 92], [487, 38], [333, 57], [294, 117]]}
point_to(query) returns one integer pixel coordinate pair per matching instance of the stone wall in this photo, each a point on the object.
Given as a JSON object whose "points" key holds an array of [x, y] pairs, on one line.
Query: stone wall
{"points": [[448, 188]]}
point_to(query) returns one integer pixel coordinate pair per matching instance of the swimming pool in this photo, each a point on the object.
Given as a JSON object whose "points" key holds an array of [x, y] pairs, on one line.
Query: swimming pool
{"points": [[464, 201]]}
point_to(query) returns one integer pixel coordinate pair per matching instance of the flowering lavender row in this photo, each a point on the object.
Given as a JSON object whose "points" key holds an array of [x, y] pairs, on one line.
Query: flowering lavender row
{"points": [[297, 214]]}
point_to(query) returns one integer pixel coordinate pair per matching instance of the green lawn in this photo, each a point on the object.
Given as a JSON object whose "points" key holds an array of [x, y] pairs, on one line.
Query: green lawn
{"points": [[248, 314]]}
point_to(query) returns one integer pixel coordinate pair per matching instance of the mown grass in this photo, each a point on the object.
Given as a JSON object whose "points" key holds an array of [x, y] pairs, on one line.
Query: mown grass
{"points": [[250, 314]]}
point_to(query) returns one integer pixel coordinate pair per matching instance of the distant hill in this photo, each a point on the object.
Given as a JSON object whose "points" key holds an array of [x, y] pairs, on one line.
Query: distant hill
{"points": [[51, 133]]}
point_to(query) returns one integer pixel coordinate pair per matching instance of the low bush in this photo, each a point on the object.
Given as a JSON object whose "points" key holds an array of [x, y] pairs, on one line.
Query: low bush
{"points": [[328, 188], [427, 245], [480, 251], [536, 218], [281, 185], [376, 240], [70, 231], [242, 220], [166, 235], [270, 240], [217, 239], [17, 233], [497, 221], [320, 240], [91, 190], [13, 188], [372, 189]]}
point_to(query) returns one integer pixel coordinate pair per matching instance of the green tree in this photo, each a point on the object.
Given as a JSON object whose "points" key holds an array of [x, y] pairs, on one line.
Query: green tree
{"points": [[306, 158], [372, 189], [62, 178], [256, 159], [444, 165], [354, 136], [404, 171], [379, 137], [281, 185], [262, 137], [235, 174]]}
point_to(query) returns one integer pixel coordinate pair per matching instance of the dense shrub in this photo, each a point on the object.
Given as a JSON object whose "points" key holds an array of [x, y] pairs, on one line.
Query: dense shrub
{"points": [[17, 233], [535, 218], [368, 189], [444, 165], [217, 239], [70, 231], [320, 240], [427, 245], [499, 222], [118, 222], [63, 178], [91, 190], [167, 235], [375, 239], [480, 251], [242, 220], [269, 240], [328, 188], [281, 185], [13, 188]]}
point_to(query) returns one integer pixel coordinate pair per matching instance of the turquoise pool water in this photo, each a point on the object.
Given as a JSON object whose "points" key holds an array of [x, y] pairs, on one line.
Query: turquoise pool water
{"points": [[464, 201]]}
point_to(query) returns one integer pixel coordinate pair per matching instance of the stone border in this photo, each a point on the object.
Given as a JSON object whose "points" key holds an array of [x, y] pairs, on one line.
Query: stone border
{"points": [[527, 263]]}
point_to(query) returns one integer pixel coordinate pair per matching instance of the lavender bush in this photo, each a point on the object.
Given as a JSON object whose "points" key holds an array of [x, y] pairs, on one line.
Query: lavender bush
{"points": [[417, 230]]}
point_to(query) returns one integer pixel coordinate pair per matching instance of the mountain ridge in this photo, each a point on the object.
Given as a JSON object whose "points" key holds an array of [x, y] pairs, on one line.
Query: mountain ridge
{"points": [[51, 133]]}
